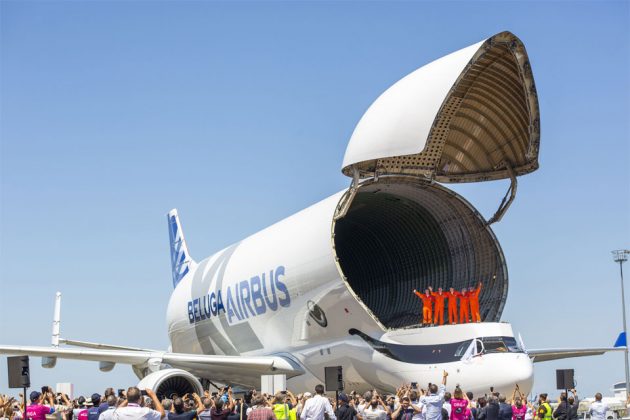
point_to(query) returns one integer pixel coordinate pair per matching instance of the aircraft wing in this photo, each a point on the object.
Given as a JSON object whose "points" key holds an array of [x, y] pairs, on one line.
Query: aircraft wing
{"points": [[256, 365], [544, 355]]}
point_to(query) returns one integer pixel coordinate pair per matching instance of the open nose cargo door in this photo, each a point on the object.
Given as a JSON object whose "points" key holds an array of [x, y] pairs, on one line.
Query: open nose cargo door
{"points": [[469, 116]]}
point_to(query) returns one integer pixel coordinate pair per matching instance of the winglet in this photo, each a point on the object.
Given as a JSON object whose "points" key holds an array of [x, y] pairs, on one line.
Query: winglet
{"points": [[181, 262]]}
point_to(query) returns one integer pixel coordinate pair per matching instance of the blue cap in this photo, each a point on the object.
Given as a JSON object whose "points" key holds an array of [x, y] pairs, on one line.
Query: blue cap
{"points": [[35, 395]]}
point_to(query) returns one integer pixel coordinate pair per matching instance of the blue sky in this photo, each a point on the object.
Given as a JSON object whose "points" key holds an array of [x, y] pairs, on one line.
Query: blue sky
{"points": [[238, 114]]}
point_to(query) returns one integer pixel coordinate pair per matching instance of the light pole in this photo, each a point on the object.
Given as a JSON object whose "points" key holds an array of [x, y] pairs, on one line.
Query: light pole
{"points": [[621, 256]]}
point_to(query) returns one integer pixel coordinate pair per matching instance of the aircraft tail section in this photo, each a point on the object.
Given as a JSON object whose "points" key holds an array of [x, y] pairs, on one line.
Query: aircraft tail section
{"points": [[181, 262]]}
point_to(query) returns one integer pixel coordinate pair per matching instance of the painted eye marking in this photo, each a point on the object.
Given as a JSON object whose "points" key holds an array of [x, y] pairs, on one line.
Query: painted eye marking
{"points": [[316, 313]]}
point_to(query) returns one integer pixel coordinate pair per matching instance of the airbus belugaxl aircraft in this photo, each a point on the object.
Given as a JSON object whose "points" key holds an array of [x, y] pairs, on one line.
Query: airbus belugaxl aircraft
{"points": [[332, 284]]}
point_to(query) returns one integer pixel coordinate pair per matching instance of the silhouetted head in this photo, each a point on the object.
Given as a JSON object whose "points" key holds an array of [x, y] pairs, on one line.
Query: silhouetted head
{"points": [[426, 292], [464, 290], [178, 404], [319, 389], [374, 402], [447, 396], [439, 290], [433, 389], [501, 398], [598, 396], [458, 393], [518, 402], [133, 394], [469, 395]]}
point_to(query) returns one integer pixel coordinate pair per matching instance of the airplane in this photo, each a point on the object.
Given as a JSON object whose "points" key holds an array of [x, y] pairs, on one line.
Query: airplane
{"points": [[332, 284]]}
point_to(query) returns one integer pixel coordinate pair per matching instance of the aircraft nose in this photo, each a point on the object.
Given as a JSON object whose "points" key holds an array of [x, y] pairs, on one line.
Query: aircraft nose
{"points": [[521, 372]]}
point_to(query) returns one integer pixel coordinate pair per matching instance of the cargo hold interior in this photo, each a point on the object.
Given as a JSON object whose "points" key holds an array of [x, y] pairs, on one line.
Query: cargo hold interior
{"points": [[402, 234]]}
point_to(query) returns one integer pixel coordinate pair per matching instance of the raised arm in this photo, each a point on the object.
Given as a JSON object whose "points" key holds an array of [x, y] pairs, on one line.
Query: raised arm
{"points": [[158, 404], [444, 376], [292, 398], [197, 399]]}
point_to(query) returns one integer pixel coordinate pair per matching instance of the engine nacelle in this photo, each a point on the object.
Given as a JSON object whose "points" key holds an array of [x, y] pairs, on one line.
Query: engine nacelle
{"points": [[167, 382], [49, 362], [106, 366]]}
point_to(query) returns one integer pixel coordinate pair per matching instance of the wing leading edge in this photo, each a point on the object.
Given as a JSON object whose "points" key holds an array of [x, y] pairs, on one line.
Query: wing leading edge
{"points": [[544, 355], [257, 365]]}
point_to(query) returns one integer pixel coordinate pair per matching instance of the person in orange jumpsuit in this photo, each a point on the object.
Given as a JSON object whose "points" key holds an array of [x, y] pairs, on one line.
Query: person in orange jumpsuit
{"points": [[473, 293], [464, 303], [427, 301], [452, 306], [438, 309]]}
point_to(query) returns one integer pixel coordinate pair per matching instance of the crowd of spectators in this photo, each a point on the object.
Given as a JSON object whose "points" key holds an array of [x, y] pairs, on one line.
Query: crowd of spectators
{"points": [[410, 402]]}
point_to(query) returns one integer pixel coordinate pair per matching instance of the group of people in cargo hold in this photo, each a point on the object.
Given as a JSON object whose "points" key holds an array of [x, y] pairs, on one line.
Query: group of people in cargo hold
{"points": [[433, 305]]}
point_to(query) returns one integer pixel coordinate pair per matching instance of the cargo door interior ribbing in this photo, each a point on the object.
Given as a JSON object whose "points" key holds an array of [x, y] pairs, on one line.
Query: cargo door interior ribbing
{"points": [[400, 235]]}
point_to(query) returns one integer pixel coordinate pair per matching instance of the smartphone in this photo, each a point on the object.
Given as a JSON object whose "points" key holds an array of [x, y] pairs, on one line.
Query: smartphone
{"points": [[44, 389], [121, 393], [143, 392], [414, 384], [214, 394]]}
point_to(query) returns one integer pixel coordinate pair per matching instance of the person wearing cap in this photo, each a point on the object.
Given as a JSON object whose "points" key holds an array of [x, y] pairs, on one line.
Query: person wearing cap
{"points": [[94, 411], [36, 410], [344, 411], [80, 413]]}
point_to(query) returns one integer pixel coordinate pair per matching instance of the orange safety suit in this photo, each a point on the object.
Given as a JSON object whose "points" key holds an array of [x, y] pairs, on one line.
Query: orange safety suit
{"points": [[438, 310], [452, 307], [426, 307], [474, 304], [464, 303]]}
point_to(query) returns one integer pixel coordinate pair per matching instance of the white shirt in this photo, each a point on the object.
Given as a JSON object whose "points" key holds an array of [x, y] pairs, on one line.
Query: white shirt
{"points": [[133, 412], [423, 410], [377, 413], [107, 414], [315, 407], [447, 407], [598, 410]]}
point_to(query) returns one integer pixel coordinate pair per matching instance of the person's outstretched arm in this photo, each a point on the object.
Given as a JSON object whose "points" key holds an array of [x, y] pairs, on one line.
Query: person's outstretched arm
{"points": [[158, 404]]}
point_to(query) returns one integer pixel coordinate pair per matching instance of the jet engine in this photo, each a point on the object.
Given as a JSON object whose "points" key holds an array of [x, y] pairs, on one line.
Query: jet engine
{"points": [[167, 382]]}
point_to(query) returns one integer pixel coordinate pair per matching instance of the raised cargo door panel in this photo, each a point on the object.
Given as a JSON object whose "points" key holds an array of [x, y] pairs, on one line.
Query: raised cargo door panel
{"points": [[469, 116]]}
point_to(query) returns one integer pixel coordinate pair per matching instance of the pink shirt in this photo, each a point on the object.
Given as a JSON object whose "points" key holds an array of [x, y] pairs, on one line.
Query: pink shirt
{"points": [[459, 407], [519, 413], [38, 411]]}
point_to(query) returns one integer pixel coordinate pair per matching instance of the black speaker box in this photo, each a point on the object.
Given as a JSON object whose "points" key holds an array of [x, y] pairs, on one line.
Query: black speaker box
{"points": [[564, 379], [333, 378], [19, 374]]}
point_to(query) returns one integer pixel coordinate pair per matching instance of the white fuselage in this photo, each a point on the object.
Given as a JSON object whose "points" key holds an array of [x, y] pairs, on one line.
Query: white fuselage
{"points": [[280, 292]]}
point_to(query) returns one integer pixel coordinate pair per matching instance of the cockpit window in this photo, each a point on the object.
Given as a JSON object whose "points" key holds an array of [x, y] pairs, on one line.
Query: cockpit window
{"points": [[461, 350], [498, 345]]}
